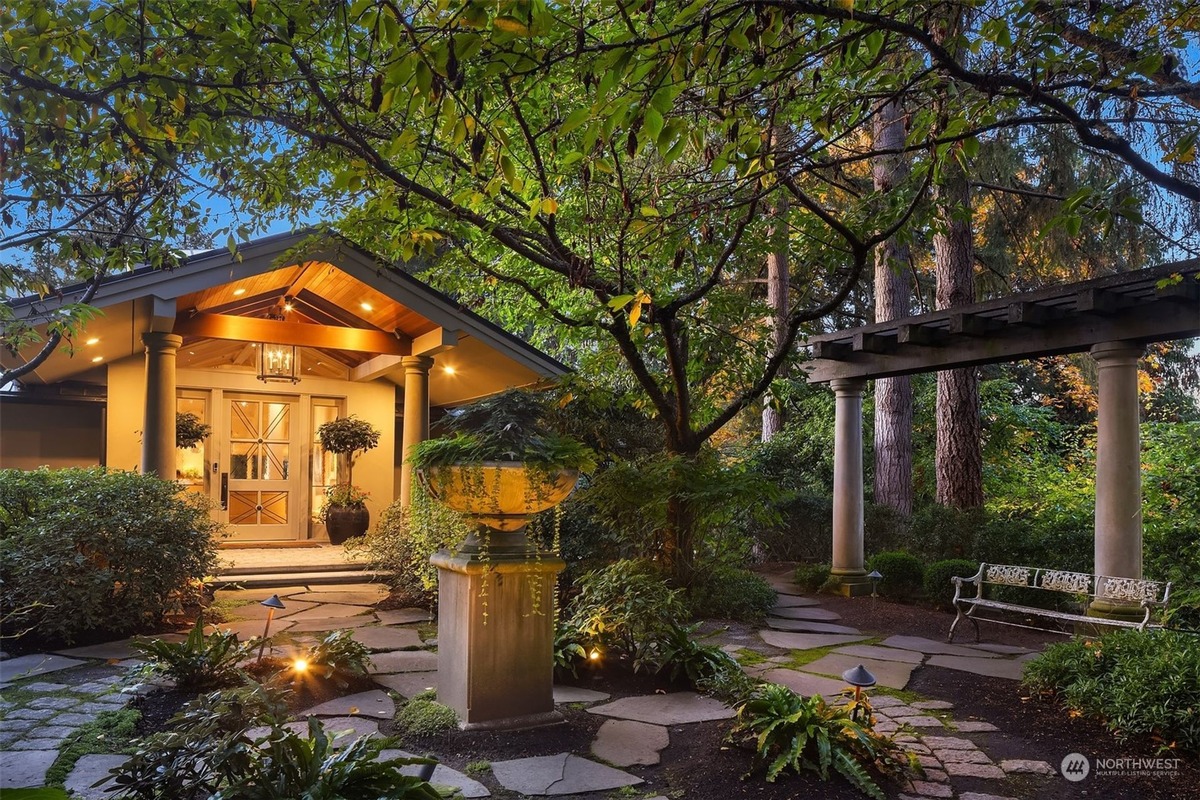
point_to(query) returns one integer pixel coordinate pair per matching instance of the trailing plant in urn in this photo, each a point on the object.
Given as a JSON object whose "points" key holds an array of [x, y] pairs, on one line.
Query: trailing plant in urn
{"points": [[345, 512]]}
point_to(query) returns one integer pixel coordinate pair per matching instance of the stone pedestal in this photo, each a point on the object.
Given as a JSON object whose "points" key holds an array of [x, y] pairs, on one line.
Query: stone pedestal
{"points": [[847, 568], [496, 634], [1118, 473]]}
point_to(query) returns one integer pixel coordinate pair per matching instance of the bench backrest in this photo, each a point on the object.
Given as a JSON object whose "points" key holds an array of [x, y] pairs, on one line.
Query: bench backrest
{"points": [[1053, 580]]}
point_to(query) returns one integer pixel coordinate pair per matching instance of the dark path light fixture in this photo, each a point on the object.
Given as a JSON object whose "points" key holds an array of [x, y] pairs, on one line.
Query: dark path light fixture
{"points": [[272, 603], [860, 678]]}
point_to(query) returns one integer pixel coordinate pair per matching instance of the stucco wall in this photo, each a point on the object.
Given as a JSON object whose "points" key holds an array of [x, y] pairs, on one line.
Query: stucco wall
{"points": [[50, 434], [373, 401]]}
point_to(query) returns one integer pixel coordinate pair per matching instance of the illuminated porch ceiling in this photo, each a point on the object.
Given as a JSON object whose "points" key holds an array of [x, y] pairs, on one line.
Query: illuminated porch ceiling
{"points": [[350, 317]]}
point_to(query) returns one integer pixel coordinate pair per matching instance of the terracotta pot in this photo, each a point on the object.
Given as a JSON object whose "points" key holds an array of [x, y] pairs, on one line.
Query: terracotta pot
{"points": [[346, 522], [501, 495]]}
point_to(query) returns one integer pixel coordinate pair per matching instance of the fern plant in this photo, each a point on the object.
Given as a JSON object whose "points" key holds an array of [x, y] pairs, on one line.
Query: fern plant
{"points": [[338, 657], [198, 662], [789, 731], [212, 750], [683, 655]]}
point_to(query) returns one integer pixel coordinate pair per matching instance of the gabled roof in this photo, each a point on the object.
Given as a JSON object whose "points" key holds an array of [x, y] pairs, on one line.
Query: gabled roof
{"points": [[327, 278]]}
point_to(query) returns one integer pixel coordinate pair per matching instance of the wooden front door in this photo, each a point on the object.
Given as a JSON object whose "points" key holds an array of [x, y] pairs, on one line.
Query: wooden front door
{"points": [[264, 468]]}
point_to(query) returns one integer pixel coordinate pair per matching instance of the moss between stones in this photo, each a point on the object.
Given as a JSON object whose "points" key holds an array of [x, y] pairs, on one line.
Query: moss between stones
{"points": [[110, 732]]}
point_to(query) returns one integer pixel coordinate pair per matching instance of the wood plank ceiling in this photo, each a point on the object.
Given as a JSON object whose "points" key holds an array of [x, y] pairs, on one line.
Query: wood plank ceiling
{"points": [[315, 293]]}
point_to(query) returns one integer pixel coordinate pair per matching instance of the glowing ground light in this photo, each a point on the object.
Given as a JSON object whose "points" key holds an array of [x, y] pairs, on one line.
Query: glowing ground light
{"points": [[300, 665], [594, 655]]}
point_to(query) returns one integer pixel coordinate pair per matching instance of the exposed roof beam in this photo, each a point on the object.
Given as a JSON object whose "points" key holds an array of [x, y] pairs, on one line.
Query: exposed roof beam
{"points": [[252, 329], [374, 368], [435, 341]]}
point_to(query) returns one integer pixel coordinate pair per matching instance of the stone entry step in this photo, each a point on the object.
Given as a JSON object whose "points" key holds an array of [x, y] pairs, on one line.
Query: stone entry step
{"points": [[332, 575]]}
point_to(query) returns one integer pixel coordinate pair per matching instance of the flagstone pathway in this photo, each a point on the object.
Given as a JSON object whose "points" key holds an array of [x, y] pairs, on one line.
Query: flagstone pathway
{"points": [[45, 698]]}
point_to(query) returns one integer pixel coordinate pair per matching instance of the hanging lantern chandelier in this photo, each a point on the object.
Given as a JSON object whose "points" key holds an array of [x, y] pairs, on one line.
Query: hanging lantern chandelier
{"points": [[278, 362]]}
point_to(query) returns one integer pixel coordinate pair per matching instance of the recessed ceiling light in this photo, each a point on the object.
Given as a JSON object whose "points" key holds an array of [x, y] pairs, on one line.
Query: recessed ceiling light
{"points": [[366, 307], [448, 370], [238, 292], [94, 340], [191, 352], [97, 359]]}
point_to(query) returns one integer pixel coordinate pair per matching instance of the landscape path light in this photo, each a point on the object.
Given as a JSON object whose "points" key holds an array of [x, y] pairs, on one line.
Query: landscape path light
{"points": [[860, 678], [273, 602], [875, 577]]}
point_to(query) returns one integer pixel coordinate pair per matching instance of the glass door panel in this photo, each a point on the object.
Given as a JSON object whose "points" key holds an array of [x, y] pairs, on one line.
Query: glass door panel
{"points": [[262, 497]]}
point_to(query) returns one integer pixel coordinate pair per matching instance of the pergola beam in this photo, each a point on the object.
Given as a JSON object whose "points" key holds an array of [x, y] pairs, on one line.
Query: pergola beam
{"points": [[1152, 305]]}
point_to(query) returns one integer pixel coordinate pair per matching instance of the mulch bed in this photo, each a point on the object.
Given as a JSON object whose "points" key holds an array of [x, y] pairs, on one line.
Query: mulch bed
{"points": [[1031, 727]]}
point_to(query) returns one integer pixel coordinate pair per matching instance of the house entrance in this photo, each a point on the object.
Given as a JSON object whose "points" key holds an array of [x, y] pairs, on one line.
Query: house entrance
{"points": [[262, 474]]}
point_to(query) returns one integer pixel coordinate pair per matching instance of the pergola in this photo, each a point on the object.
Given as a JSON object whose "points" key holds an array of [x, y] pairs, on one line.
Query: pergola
{"points": [[1113, 318]]}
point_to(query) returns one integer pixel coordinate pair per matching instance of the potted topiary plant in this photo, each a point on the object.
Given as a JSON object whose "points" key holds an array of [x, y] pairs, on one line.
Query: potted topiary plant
{"points": [[345, 511], [501, 465], [190, 430]]}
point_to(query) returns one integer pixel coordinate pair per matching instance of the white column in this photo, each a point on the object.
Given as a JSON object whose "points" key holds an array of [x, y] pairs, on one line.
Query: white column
{"points": [[848, 483], [1118, 465], [416, 416], [158, 426]]}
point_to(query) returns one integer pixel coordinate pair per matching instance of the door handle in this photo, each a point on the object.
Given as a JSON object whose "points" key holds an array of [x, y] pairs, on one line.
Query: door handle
{"points": [[224, 491]]}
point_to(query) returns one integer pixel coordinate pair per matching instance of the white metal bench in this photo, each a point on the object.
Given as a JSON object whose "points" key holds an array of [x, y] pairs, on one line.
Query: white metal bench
{"points": [[1148, 595]]}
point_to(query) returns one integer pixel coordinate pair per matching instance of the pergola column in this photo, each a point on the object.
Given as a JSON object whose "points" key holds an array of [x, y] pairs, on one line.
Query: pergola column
{"points": [[416, 416], [848, 566], [158, 426], [1118, 471]]}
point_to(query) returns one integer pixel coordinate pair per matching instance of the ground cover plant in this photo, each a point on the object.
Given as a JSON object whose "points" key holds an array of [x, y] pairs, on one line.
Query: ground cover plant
{"points": [[1140, 683], [94, 552], [200, 661], [790, 732]]}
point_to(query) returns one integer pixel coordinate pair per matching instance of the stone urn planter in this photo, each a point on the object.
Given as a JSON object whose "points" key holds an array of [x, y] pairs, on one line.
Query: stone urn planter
{"points": [[496, 628], [501, 464], [500, 496]]}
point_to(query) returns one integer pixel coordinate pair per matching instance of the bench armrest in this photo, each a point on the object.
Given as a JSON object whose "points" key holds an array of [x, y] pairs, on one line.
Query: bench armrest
{"points": [[976, 579]]}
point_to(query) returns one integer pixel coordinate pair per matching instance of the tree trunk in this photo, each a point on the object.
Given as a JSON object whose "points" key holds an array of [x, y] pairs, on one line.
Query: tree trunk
{"points": [[777, 300], [959, 460], [959, 457], [893, 396]]}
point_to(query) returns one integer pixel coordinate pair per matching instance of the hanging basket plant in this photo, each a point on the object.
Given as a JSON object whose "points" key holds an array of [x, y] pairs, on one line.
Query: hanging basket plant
{"points": [[190, 430]]}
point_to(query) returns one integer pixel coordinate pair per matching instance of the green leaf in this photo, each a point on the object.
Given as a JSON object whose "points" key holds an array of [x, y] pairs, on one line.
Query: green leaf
{"points": [[575, 119]]}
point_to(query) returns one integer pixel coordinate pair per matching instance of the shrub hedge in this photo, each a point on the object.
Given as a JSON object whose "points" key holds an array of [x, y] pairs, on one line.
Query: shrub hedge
{"points": [[90, 551], [1140, 683]]}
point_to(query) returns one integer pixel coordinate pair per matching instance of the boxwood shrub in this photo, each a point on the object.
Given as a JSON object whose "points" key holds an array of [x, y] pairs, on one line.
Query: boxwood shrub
{"points": [[725, 592], [938, 587], [97, 552], [903, 574]]}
